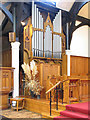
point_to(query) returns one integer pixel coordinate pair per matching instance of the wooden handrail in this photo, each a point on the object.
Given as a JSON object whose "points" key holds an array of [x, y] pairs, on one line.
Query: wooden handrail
{"points": [[53, 87]]}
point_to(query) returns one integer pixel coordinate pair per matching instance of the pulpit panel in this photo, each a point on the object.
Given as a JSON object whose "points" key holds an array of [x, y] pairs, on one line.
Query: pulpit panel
{"points": [[6, 85]]}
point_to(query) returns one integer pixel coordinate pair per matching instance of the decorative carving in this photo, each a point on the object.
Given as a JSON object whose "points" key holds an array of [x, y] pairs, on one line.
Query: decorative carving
{"points": [[28, 31], [48, 22], [63, 46]]}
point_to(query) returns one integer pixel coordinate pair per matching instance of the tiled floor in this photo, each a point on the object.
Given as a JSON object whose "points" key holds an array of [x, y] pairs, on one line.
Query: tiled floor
{"points": [[20, 114]]}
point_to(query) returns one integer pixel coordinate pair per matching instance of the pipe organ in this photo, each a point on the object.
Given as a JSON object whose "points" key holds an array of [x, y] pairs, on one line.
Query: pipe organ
{"points": [[45, 38], [44, 42]]}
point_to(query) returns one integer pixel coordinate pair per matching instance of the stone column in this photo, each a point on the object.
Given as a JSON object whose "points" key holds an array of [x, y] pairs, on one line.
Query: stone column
{"points": [[68, 53], [15, 64]]}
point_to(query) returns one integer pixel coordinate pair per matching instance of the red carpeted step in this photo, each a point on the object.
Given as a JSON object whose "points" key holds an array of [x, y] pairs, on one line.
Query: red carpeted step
{"points": [[73, 114], [79, 107], [60, 118]]}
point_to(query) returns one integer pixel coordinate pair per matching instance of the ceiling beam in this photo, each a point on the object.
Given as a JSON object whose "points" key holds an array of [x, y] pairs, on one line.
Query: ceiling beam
{"points": [[6, 12], [82, 19], [73, 16], [77, 6], [6, 4]]}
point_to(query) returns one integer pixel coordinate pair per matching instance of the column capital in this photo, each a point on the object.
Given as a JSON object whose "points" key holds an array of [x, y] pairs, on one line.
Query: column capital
{"points": [[15, 45], [68, 52]]}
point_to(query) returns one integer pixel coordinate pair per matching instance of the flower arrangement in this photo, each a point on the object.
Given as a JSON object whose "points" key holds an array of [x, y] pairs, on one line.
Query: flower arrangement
{"points": [[31, 83]]}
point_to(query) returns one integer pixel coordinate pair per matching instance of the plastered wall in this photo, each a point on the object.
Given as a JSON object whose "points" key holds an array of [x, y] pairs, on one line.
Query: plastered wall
{"points": [[79, 43]]}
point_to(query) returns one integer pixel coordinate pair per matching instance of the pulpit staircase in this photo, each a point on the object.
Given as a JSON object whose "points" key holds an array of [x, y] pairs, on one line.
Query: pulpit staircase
{"points": [[62, 93]]}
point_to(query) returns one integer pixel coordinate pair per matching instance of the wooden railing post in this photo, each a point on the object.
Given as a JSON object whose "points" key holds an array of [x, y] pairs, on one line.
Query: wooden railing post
{"points": [[62, 91], [56, 98], [50, 102]]}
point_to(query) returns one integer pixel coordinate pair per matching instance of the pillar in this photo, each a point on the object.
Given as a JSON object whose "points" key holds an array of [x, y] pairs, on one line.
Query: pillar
{"points": [[68, 52], [15, 64]]}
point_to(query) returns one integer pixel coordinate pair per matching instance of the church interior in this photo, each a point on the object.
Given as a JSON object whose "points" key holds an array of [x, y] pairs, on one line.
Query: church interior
{"points": [[44, 58]]}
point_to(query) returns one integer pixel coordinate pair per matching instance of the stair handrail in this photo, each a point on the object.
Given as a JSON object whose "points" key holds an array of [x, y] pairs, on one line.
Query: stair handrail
{"points": [[56, 85], [49, 91], [53, 87]]}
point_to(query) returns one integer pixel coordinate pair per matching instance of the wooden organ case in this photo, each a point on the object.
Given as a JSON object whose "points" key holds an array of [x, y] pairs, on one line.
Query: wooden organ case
{"points": [[44, 42]]}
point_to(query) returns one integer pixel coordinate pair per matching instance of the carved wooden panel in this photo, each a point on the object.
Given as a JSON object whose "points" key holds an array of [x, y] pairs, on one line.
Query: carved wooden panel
{"points": [[27, 38], [71, 90], [47, 69], [7, 78], [6, 85], [84, 89]]}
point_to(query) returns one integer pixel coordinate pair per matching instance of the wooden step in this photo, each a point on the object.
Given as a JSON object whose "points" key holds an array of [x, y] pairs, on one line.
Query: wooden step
{"points": [[60, 106], [56, 112], [45, 115], [73, 99]]}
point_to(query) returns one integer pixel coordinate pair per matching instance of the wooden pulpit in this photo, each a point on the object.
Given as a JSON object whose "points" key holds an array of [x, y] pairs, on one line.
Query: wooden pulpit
{"points": [[6, 85]]}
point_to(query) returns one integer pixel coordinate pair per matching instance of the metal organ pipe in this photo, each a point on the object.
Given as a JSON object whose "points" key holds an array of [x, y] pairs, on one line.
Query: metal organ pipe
{"points": [[37, 38], [42, 38], [60, 31], [35, 31], [39, 35], [37, 25], [57, 36], [57, 39], [33, 42], [48, 42], [54, 38]]}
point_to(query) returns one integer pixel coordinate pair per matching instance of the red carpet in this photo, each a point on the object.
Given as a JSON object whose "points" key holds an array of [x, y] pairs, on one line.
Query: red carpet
{"points": [[77, 111]]}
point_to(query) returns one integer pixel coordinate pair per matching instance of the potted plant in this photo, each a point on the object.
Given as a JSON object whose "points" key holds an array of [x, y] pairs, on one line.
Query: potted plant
{"points": [[31, 82]]}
